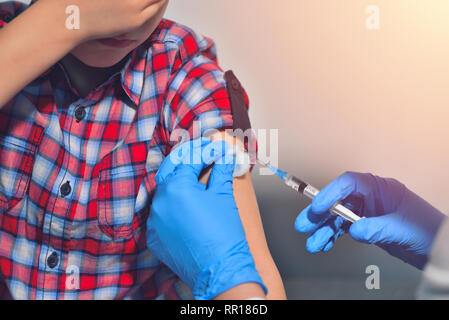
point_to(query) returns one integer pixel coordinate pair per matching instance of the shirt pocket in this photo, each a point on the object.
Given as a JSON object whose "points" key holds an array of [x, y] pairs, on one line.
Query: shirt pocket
{"points": [[117, 194], [16, 165]]}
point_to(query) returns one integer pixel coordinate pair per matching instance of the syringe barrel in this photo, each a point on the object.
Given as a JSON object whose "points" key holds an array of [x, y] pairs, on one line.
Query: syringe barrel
{"points": [[342, 211], [311, 192], [295, 183]]}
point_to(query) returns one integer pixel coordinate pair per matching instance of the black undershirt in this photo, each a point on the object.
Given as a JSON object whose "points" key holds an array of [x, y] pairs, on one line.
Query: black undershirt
{"points": [[85, 78]]}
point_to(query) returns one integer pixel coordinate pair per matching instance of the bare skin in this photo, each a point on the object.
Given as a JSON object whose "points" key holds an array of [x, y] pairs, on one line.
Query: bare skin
{"points": [[123, 19], [96, 54], [45, 23], [250, 215]]}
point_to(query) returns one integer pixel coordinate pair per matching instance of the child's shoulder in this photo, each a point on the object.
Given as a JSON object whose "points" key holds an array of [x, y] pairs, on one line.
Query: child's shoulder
{"points": [[188, 42]]}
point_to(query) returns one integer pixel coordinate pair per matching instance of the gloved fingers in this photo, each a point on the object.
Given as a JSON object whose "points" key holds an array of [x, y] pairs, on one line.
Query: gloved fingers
{"points": [[365, 193], [332, 241], [382, 229], [320, 239], [181, 154], [329, 245], [209, 154], [337, 190], [221, 177], [356, 203], [307, 221], [191, 158], [217, 151]]}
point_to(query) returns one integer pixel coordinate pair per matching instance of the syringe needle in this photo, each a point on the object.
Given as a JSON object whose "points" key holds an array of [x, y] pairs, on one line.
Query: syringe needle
{"points": [[262, 163], [309, 191]]}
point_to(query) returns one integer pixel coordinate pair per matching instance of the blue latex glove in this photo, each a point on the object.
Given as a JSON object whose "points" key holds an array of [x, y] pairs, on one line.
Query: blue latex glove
{"points": [[196, 230], [397, 220]]}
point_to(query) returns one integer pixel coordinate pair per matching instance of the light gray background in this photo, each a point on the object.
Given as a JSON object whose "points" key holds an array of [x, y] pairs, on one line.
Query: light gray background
{"points": [[343, 98]]}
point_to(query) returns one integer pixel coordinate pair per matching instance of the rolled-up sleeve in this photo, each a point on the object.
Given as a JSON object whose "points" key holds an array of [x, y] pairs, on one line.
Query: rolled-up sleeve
{"points": [[197, 101], [11, 9]]}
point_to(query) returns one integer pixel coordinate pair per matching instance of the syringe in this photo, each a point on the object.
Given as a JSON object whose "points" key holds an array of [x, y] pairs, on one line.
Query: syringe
{"points": [[310, 192]]}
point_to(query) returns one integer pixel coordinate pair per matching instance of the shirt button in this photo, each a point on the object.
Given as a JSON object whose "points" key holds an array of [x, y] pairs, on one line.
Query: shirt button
{"points": [[52, 260], [66, 189], [80, 113]]}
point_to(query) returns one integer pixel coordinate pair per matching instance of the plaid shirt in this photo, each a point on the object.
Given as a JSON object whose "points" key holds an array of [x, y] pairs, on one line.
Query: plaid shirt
{"points": [[77, 175]]}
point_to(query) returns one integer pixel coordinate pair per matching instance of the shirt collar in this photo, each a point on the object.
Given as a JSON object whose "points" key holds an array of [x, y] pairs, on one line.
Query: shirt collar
{"points": [[131, 77], [133, 74]]}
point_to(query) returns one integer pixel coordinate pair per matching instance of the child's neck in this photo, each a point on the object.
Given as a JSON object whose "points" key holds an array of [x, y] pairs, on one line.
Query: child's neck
{"points": [[85, 78]]}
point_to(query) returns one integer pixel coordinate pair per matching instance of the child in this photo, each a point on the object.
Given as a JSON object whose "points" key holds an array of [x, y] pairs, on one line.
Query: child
{"points": [[86, 119]]}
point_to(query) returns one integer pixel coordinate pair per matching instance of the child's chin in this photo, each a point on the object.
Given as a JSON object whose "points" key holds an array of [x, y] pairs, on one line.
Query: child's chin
{"points": [[103, 63], [103, 57]]}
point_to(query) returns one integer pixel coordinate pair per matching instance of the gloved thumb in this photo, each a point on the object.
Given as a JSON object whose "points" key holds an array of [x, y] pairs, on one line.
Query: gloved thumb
{"points": [[187, 153], [372, 230], [221, 177]]}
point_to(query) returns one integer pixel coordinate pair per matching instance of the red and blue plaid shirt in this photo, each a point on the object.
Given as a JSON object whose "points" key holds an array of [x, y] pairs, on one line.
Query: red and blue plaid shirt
{"points": [[77, 174]]}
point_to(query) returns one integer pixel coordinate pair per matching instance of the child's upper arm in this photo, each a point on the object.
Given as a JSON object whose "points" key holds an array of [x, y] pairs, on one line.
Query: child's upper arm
{"points": [[249, 213]]}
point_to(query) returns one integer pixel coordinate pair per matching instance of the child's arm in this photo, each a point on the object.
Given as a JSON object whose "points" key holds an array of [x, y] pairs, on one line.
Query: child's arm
{"points": [[249, 214], [38, 37], [30, 44]]}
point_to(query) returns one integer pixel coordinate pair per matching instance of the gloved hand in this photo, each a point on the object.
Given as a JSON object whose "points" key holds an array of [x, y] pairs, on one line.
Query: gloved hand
{"points": [[397, 220], [196, 230]]}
